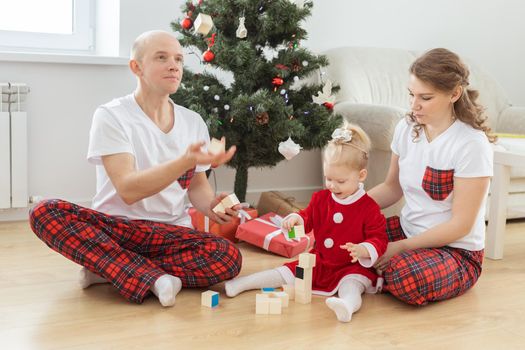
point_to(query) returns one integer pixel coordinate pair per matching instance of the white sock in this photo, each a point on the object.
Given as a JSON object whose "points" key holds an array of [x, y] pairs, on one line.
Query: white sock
{"points": [[349, 300], [88, 278], [166, 288], [268, 278]]}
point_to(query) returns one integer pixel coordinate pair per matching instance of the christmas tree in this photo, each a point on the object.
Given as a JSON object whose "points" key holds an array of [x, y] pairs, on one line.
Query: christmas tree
{"points": [[267, 103]]}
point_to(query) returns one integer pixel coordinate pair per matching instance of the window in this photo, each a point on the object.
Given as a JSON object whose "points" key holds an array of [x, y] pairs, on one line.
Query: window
{"points": [[47, 26]]}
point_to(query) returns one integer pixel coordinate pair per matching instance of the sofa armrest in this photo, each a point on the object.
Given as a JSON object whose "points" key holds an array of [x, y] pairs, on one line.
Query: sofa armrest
{"points": [[512, 121], [379, 122]]}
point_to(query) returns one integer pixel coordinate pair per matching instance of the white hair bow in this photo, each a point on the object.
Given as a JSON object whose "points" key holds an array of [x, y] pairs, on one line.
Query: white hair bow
{"points": [[340, 134]]}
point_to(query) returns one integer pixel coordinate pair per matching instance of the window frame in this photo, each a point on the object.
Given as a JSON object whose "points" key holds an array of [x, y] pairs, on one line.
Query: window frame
{"points": [[82, 40]]}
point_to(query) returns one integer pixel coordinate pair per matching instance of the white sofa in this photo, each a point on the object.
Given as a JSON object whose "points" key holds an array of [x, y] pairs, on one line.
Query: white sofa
{"points": [[374, 95]]}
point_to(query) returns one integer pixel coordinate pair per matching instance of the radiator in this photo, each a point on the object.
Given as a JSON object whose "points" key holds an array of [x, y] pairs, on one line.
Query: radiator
{"points": [[13, 146]]}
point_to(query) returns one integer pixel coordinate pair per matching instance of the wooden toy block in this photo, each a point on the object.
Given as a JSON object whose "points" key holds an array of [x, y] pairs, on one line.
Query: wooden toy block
{"points": [[283, 296], [306, 260], [210, 298], [290, 290], [299, 272], [275, 306], [299, 231], [203, 24], [262, 304], [303, 298], [216, 146], [230, 201], [219, 208]]}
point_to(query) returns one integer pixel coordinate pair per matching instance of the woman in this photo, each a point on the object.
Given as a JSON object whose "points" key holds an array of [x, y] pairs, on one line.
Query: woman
{"points": [[442, 164]]}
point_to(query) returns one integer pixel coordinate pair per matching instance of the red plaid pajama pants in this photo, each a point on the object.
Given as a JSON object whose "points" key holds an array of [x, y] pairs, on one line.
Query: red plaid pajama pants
{"points": [[133, 254], [429, 274]]}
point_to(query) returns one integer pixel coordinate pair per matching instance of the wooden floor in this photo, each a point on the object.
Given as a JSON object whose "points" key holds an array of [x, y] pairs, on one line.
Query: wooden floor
{"points": [[42, 307]]}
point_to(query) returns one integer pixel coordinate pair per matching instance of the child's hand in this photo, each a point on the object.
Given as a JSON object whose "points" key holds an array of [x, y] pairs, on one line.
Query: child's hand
{"points": [[357, 251], [290, 222]]}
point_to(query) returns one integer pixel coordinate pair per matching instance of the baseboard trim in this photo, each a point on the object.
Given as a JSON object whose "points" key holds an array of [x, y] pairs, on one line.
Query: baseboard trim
{"points": [[22, 214], [300, 194]]}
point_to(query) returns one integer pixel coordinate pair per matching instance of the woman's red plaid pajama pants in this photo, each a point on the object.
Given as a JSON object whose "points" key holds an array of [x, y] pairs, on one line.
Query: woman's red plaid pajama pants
{"points": [[133, 254], [429, 274]]}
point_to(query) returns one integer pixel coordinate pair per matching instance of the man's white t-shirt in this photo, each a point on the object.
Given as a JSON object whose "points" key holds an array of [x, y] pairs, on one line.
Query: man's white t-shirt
{"points": [[121, 126], [460, 151]]}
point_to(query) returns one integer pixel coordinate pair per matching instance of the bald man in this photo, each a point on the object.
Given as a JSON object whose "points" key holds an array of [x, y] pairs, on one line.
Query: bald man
{"points": [[149, 155]]}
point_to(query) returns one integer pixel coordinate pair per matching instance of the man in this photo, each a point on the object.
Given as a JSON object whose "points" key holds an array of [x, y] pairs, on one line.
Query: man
{"points": [[149, 155]]}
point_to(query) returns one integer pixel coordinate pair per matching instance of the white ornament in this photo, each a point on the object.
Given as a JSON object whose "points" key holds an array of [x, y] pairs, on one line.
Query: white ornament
{"points": [[328, 243], [203, 24], [325, 95], [226, 107], [205, 87], [289, 149], [338, 218], [296, 78], [283, 91], [305, 63], [216, 97], [241, 32]]}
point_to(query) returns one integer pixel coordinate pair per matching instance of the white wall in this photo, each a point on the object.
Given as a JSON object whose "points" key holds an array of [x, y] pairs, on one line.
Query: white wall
{"points": [[489, 32], [64, 96]]}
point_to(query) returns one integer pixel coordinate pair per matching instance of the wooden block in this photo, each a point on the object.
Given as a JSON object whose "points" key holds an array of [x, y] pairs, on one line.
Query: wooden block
{"points": [[306, 260], [230, 201], [299, 272], [290, 290], [275, 307], [203, 24], [303, 298], [219, 208], [210, 298], [262, 304], [216, 146], [299, 232], [281, 295]]}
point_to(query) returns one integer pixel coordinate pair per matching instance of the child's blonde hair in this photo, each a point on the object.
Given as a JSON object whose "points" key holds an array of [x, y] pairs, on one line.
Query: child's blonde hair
{"points": [[350, 146]]}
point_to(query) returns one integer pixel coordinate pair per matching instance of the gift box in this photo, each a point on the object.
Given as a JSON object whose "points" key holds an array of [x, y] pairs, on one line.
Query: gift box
{"points": [[278, 203], [265, 232], [203, 223]]}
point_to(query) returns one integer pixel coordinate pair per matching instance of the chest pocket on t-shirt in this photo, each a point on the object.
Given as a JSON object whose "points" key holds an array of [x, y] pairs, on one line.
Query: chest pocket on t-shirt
{"points": [[185, 179], [438, 184]]}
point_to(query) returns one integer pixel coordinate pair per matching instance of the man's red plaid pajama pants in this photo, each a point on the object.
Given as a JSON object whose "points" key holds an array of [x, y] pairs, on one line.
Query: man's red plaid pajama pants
{"points": [[430, 274], [133, 254]]}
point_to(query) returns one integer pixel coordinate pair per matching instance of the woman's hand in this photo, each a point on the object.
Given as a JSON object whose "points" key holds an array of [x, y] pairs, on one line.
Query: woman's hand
{"points": [[357, 251], [392, 249]]}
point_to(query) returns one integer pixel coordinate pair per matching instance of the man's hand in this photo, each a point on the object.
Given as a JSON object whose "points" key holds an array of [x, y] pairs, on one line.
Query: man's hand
{"points": [[197, 156], [222, 218], [357, 251]]}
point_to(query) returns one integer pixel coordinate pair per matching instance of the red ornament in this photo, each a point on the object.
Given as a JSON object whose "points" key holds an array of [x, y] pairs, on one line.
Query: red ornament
{"points": [[186, 23], [208, 55], [329, 106], [277, 81]]}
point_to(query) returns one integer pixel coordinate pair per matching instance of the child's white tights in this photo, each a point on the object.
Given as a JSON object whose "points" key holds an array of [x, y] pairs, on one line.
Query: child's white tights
{"points": [[349, 300], [268, 278]]}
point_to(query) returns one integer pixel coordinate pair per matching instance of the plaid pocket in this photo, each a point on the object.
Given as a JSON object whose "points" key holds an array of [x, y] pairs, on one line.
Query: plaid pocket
{"points": [[438, 184], [185, 179]]}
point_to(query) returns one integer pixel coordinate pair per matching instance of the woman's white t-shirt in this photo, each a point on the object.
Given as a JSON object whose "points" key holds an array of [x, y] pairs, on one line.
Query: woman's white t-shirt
{"points": [[121, 126], [460, 151]]}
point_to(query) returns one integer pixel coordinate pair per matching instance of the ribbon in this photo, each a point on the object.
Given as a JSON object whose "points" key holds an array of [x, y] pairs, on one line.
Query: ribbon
{"points": [[268, 238]]}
